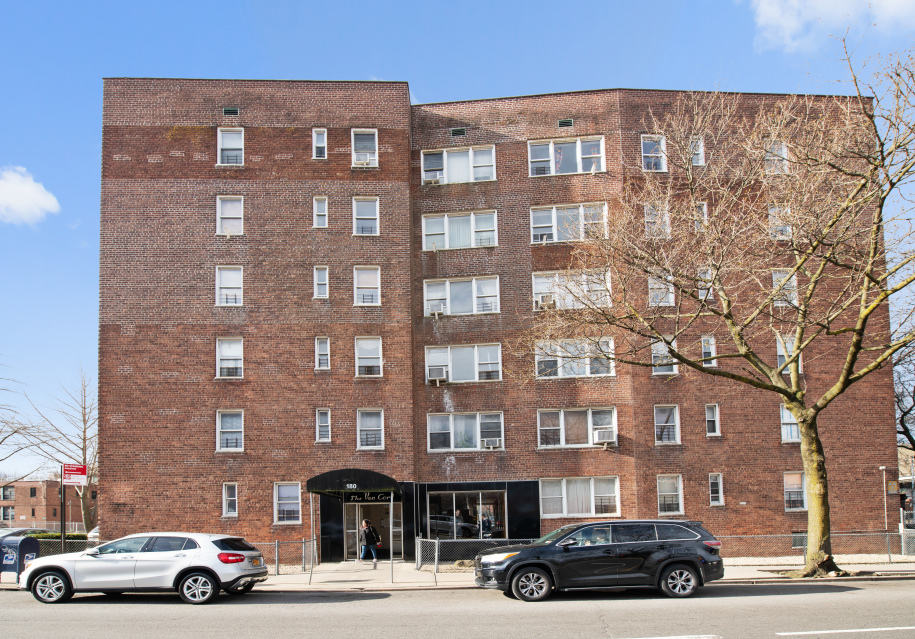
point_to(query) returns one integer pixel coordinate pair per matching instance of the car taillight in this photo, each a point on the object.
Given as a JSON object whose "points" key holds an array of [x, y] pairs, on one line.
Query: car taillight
{"points": [[713, 545], [230, 557]]}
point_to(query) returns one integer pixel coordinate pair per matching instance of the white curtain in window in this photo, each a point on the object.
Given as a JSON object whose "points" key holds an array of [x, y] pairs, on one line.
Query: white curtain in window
{"points": [[232, 140], [230, 348], [578, 496], [458, 166], [459, 231], [551, 497]]}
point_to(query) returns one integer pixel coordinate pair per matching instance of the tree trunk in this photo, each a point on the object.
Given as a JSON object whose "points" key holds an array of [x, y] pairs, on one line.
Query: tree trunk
{"points": [[87, 510]]}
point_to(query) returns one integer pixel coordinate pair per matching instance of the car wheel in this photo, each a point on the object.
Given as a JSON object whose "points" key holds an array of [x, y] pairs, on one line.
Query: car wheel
{"points": [[679, 580], [51, 587], [198, 588], [531, 584], [240, 591]]}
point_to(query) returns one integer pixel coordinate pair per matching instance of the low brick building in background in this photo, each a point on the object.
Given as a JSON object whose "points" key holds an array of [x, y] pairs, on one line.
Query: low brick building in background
{"points": [[307, 294], [36, 504]]}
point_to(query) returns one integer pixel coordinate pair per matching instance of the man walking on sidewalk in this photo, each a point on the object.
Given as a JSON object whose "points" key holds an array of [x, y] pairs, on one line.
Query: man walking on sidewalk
{"points": [[368, 537]]}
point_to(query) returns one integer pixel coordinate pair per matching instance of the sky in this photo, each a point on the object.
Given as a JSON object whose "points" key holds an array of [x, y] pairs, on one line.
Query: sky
{"points": [[57, 53]]}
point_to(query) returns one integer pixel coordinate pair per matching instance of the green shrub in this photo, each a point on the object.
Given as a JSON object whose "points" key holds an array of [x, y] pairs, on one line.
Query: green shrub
{"points": [[56, 535]]}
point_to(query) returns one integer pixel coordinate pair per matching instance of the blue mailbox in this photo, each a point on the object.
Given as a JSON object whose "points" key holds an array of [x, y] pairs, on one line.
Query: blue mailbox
{"points": [[15, 551]]}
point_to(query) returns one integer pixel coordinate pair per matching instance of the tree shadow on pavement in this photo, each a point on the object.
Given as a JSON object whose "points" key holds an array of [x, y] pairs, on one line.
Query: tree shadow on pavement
{"points": [[252, 598]]}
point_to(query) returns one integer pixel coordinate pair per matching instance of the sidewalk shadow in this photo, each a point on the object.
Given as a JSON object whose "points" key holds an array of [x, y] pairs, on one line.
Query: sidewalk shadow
{"points": [[252, 598], [712, 591]]}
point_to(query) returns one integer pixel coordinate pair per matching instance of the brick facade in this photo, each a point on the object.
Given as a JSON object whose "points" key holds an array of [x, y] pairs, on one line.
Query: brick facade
{"points": [[36, 504]]}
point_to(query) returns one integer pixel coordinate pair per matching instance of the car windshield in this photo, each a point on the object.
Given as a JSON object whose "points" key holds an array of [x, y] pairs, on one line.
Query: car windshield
{"points": [[556, 534], [233, 544]]}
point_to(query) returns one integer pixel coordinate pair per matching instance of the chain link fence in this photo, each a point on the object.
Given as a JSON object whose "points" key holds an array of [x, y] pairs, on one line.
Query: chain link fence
{"points": [[455, 555], [847, 548], [287, 557]]}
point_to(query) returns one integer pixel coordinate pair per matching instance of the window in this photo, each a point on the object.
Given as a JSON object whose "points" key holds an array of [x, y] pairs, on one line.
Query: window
{"points": [[697, 150], [230, 500], [555, 157], [712, 425], [476, 363], [670, 495], [322, 425], [465, 431], [228, 286], [462, 297], [660, 291], [322, 353], [459, 230], [94, 494], [654, 153], [579, 497], [365, 147], [8, 513], [657, 222], [231, 146], [779, 228], [8, 493], [784, 348], [53, 513], [475, 164], [33, 492], [230, 430], [33, 512], [776, 160], [790, 430], [708, 351], [575, 358], [666, 425], [705, 281], [576, 427], [370, 427], [319, 144], [701, 216], [287, 503], [229, 357], [795, 492], [568, 223], [320, 277], [229, 217], [368, 356], [365, 216], [661, 360], [571, 290], [319, 212], [784, 284], [715, 494], [367, 287]]}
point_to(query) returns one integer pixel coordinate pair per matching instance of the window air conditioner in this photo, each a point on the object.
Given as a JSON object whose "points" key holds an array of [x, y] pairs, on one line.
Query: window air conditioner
{"points": [[604, 437], [492, 443], [436, 309], [544, 301], [438, 374], [362, 159], [434, 180]]}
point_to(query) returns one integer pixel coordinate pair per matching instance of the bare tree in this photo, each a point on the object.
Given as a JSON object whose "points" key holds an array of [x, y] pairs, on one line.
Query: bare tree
{"points": [[904, 387], [12, 442], [69, 434], [761, 222]]}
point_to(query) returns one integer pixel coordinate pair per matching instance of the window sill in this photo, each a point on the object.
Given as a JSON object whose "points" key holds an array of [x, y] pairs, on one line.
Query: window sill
{"points": [[466, 381], [674, 373], [579, 447], [366, 234], [230, 166], [229, 517], [716, 505], [364, 166], [229, 235], [575, 241], [323, 441], [468, 182], [644, 170], [322, 370], [230, 450], [227, 378], [795, 510], [368, 377], [791, 441], [668, 515], [713, 434], [560, 174], [458, 248], [318, 227], [668, 443], [560, 377], [323, 297], [464, 314], [288, 523], [367, 305], [369, 450], [465, 450], [228, 305]]}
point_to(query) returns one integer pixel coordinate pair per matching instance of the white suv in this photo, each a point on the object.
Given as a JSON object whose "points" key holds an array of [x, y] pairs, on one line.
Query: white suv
{"points": [[197, 565]]}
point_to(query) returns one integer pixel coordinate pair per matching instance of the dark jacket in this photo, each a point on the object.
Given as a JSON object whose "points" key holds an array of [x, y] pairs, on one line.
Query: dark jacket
{"points": [[368, 536]]}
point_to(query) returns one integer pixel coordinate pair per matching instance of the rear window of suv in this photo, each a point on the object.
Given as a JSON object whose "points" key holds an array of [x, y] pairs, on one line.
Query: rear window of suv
{"points": [[233, 544], [670, 532]]}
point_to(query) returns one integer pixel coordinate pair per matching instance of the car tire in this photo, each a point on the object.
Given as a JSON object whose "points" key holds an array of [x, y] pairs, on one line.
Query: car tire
{"points": [[198, 588], [532, 584], [51, 587], [679, 580], [240, 591]]}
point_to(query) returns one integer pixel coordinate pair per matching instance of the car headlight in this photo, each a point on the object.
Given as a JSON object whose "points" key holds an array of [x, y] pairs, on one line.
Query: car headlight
{"points": [[498, 558]]}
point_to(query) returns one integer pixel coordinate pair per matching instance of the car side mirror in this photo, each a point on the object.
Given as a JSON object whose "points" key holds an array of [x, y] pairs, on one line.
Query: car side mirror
{"points": [[92, 551], [569, 541]]}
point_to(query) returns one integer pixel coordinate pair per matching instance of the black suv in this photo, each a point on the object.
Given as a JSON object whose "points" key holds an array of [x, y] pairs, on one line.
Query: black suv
{"points": [[676, 556]]}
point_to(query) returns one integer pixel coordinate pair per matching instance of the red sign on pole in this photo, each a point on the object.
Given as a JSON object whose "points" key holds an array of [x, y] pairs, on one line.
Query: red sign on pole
{"points": [[74, 475]]}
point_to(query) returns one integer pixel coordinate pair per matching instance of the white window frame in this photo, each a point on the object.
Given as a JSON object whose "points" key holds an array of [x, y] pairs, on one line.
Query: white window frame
{"points": [[318, 413], [219, 340], [372, 163], [562, 351], [787, 296], [447, 300], [359, 414], [315, 146], [276, 503], [779, 229], [782, 356], [679, 478], [709, 350], [701, 211], [578, 156], [657, 221], [473, 230], [318, 353], [356, 301], [776, 159], [316, 278], [565, 501], [476, 362], [719, 479], [315, 201], [591, 429], [478, 434], [697, 150], [380, 355], [220, 217], [226, 499], [665, 285], [377, 218], [220, 287], [661, 351], [791, 432], [442, 175], [219, 431], [554, 228], [803, 490], [676, 425], [647, 137], [705, 276], [716, 420], [219, 145], [564, 298]]}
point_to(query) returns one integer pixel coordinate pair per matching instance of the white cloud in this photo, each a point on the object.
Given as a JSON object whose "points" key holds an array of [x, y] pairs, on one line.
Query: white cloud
{"points": [[22, 199], [795, 25]]}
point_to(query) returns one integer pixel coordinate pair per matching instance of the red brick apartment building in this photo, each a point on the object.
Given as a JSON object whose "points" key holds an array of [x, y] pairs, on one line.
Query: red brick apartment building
{"points": [[307, 292], [36, 504]]}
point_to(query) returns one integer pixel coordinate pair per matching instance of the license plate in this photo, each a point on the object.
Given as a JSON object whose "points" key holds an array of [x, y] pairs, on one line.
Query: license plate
{"points": [[255, 562]]}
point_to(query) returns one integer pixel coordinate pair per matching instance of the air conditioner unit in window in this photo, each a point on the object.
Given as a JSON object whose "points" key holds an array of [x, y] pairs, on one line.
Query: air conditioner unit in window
{"points": [[544, 301], [438, 374], [362, 159], [436, 309], [434, 180], [605, 437], [493, 443]]}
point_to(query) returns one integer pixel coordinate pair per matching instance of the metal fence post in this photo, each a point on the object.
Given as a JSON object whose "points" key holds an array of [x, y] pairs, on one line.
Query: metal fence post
{"points": [[276, 556], [303, 554], [435, 569], [419, 553], [889, 554]]}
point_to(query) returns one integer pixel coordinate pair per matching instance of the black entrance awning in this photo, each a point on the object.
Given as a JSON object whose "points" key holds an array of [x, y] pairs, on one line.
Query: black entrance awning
{"points": [[350, 480]]}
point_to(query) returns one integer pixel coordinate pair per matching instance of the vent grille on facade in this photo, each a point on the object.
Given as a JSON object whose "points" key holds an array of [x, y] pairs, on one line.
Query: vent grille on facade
{"points": [[565, 123], [456, 132], [230, 110]]}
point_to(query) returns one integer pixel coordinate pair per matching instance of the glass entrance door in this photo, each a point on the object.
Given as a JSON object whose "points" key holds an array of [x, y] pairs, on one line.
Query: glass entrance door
{"points": [[380, 516]]}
